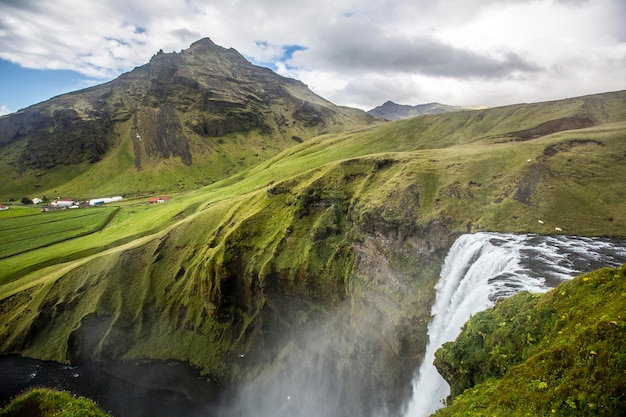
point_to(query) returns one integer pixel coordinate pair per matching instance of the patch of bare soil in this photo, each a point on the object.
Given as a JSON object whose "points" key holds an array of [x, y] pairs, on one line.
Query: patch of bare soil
{"points": [[552, 126], [528, 185], [555, 148]]}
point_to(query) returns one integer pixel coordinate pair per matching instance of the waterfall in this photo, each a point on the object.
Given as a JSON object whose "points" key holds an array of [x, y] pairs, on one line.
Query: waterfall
{"points": [[483, 267]]}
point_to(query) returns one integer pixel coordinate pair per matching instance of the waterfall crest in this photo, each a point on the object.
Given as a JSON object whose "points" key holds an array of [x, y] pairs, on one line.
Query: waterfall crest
{"points": [[483, 267]]}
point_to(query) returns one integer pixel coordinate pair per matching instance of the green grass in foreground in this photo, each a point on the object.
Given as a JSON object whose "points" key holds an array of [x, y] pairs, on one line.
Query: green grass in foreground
{"points": [[32, 231], [562, 353], [50, 403]]}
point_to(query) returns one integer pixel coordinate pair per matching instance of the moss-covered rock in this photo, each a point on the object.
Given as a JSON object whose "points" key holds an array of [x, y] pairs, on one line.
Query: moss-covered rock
{"points": [[43, 402], [561, 353]]}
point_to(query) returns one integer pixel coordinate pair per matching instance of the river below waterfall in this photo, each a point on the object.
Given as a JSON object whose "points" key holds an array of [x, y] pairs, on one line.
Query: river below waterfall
{"points": [[159, 389], [484, 267], [479, 269]]}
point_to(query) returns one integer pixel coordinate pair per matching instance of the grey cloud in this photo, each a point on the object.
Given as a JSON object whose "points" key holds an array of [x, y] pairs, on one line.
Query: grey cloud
{"points": [[29, 5], [360, 48], [573, 2], [186, 35], [620, 18]]}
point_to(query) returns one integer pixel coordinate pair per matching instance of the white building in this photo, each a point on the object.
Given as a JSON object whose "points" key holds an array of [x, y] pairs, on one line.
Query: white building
{"points": [[64, 203], [104, 200]]}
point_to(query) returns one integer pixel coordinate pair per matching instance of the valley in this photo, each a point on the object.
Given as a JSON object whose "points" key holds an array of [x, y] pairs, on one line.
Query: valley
{"points": [[290, 233]]}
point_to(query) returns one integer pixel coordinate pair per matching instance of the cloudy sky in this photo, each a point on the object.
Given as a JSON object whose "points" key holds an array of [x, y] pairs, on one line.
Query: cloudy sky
{"points": [[358, 53]]}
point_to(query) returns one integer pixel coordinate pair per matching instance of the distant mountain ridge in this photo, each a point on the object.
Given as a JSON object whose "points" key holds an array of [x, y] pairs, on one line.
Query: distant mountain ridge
{"points": [[393, 111]]}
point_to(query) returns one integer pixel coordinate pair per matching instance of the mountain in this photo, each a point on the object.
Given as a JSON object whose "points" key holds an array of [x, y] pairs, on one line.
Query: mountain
{"points": [[311, 273], [182, 120], [392, 111]]}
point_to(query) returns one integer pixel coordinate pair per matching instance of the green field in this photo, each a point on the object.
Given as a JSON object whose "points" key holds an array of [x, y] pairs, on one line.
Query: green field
{"points": [[19, 234]]}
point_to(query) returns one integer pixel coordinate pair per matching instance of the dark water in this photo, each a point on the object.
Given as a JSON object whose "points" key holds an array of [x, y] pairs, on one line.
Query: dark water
{"points": [[123, 390]]}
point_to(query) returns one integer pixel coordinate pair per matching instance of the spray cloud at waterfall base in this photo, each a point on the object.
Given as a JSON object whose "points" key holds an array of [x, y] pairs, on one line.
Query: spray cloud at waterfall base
{"points": [[479, 269], [331, 368], [484, 267]]}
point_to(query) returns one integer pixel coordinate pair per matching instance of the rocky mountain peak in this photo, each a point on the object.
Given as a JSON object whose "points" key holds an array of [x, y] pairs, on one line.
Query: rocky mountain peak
{"points": [[205, 43]]}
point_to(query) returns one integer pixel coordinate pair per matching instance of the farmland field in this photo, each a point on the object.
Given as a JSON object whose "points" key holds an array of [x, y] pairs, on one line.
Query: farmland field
{"points": [[24, 233]]}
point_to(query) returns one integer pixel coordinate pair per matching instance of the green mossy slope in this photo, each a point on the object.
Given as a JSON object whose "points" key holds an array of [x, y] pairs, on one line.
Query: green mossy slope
{"points": [[50, 403], [562, 353]]}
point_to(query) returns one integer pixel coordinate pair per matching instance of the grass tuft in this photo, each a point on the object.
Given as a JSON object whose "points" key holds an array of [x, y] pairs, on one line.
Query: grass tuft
{"points": [[43, 402]]}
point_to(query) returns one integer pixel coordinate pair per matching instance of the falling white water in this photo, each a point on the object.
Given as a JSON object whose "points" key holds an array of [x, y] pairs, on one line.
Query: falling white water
{"points": [[483, 267]]}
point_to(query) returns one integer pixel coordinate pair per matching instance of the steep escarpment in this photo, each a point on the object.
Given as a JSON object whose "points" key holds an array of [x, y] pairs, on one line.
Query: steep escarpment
{"points": [[69, 141], [560, 353], [294, 271]]}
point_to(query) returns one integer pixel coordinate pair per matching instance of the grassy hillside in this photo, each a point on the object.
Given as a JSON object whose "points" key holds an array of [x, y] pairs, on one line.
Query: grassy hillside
{"points": [[562, 353], [571, 180], [345, 232]]}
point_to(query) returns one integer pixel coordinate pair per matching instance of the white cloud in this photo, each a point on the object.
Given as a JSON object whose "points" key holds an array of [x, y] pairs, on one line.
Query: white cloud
{"points": [[4, 109], [358, 52]]}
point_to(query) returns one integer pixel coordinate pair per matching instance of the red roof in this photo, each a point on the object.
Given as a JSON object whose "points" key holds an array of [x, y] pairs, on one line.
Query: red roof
{"points": [[159, 199]]}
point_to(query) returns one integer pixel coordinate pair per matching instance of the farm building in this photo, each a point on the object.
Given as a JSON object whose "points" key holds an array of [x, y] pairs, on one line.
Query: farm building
{"points": [[64, 203], [104, 200], [37, 200], [3, 207], [159, 199]]}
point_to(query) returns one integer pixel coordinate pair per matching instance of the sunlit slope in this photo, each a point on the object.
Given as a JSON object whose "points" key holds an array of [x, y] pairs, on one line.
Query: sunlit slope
{"points": [[518, 123], [498, 169], [490, 181], [362, 218]]}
